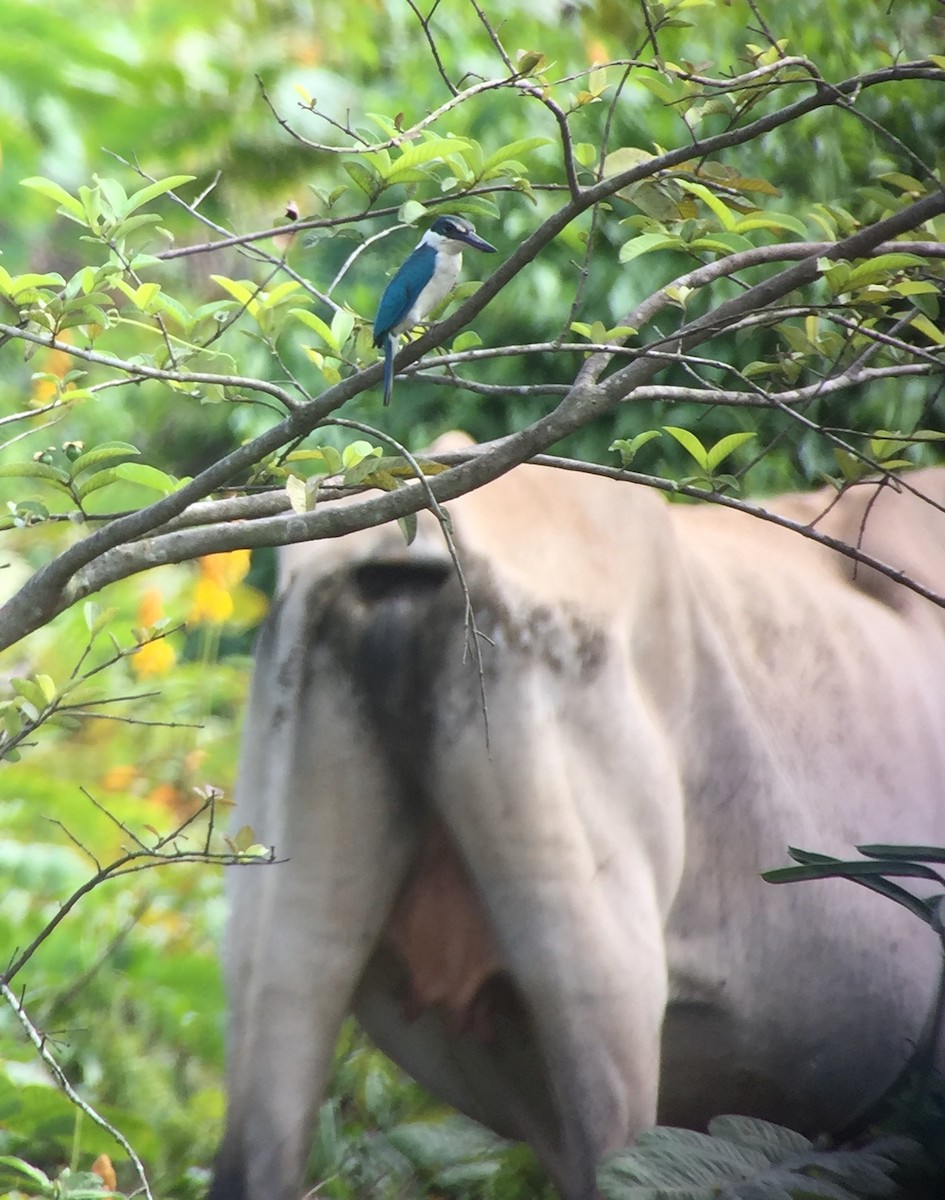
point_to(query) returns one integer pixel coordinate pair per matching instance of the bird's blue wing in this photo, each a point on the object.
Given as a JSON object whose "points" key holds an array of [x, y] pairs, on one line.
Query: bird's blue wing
{"points": [[401, 293]]}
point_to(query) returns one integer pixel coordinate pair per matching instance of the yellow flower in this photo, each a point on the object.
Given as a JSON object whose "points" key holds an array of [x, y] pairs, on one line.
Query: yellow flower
{"points": [[154, 658], [227, 569], [212, 604], [219, 575]]}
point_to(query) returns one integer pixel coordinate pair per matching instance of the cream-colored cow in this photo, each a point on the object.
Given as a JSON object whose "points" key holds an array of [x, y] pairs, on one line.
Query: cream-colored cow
{"points": [[563, 932]]}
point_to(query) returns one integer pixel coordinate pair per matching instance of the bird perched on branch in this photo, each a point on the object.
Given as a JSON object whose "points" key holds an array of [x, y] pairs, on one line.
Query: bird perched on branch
{"points": [[423, 281]]}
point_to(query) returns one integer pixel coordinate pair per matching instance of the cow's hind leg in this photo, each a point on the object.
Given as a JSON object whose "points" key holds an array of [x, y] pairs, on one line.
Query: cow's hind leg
{"points": [[314, 784]]}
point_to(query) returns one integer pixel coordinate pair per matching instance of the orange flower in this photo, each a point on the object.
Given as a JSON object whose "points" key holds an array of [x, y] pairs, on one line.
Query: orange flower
{"points": [[166, 795], [597, 53], [119, 778], [53, 362], [150, 607], [103, 1168]]}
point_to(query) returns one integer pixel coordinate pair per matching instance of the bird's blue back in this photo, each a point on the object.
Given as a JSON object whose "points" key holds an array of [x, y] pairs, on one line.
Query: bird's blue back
{"points": [[402, 291]]}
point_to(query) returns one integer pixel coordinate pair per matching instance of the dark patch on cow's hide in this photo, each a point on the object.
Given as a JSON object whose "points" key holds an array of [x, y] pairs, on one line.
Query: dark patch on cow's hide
{"points": [[566, 644], [372, 620], [398, 631]]}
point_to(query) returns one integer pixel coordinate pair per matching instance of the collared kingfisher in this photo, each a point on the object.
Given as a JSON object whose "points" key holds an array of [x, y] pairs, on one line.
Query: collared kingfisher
{"points": [[423, 281]]}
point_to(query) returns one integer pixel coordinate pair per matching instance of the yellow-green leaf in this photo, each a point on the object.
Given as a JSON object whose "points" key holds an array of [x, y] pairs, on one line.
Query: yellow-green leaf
{"points": [[770, 221], [932, 332], [242, 292], [711, 201], [724, 447], [648, 242], [153, 190], [52, 191], [317, 325], [690, 443]]}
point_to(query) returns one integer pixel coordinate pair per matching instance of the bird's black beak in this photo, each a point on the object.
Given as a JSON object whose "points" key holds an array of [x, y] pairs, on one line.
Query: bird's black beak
{"points": [[477, 243]]}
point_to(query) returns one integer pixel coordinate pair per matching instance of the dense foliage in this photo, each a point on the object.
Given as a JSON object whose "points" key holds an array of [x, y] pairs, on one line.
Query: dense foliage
{"points": [[646, 170]]}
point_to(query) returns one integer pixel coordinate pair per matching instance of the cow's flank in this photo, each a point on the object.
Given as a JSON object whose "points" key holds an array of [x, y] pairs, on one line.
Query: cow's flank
{"points": [[560, 928]]}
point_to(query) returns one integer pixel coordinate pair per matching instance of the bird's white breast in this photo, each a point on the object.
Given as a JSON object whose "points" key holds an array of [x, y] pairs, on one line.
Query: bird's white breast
{"points": [[442, 282]]}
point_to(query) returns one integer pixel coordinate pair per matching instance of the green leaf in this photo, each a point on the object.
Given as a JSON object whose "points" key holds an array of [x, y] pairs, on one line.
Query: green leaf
{"points": [[877, 270], [68, 204], [275, 296], [512, 151], [30, 691], [626, 158], [530, 61], [712, 201], [752, 1131], [720, 244], [629, 449], [648, 242], [317, 325], [153, 190], [332, 459], [241, 290], [128, 225], [724, 447], [302, 493], [244, 837], [97, 481], [408, 527], [423, 152], [105, 452], [356, 452], [146, 476], [114, 194], [905, 183], [167, 306], [920, 853], [772, 222], [37, 1177], [690, 443], [96, 617], [366, 178], [597, 81], [342, 324], [931, 331], [411, 212], [17, 285], [143, 295], [467, 340], [33, 470]]}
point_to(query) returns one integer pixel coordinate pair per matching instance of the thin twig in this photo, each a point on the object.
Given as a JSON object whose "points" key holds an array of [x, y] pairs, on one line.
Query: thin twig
{"points": [[431, 42], [40, 1042]]}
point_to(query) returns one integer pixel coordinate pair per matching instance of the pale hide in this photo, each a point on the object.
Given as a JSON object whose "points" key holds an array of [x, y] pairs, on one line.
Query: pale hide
{"points": [[564, 934]]}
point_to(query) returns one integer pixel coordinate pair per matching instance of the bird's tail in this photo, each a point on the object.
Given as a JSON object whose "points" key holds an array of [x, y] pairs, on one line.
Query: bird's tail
{"points": [[389, 345]]}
